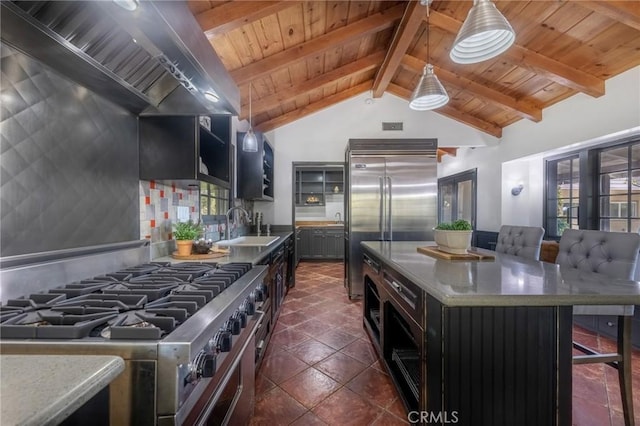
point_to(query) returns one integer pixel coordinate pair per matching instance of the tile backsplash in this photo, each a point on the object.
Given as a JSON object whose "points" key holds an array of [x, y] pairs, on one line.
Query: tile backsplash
{"points": [[162, 205]]}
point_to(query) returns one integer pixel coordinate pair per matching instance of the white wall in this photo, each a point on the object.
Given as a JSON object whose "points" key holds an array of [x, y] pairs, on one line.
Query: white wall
{"points": [[323, 136]]}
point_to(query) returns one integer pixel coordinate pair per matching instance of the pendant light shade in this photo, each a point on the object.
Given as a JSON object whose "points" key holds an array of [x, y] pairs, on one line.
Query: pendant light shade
{"points": [[483, 35], [429, 93], [250, 141]]}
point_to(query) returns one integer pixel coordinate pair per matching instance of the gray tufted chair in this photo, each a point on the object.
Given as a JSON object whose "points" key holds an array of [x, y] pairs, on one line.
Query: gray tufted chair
{"points": [[614, 254], [522, 241]]}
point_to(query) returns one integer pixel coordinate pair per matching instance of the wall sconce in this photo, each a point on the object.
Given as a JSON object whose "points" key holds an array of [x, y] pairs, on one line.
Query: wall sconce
{"points": [[516, 190]]}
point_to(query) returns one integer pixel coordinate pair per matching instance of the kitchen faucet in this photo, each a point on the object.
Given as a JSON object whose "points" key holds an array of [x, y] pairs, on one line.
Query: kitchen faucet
{"points": [[227, 231], [338, 217]]}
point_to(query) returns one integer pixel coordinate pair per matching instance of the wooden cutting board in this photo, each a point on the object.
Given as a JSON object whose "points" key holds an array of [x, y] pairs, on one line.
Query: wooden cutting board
{"points": [[433, 251], [206, 256]]}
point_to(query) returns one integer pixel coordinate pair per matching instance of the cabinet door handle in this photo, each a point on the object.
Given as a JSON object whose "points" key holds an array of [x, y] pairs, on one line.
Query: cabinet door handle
{"points": [[397, 286]]}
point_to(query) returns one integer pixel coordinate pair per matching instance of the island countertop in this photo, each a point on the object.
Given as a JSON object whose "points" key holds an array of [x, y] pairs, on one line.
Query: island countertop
{"points": [[506, 281], [46, 389]]}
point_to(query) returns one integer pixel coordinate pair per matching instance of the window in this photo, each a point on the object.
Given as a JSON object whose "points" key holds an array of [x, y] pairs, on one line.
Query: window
{"points": [[595, 188], [563, 195], [213, 199], [457, 197], [619, 188]]}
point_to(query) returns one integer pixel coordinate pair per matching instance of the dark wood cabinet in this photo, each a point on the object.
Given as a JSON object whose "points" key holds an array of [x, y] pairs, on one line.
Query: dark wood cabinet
{"points": [[255, 170], [181, 150], [320, 243], [334, 241]]}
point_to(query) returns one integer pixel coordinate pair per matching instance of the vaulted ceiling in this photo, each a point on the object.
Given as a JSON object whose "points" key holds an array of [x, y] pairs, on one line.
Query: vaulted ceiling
{"points": [[304, 56]]}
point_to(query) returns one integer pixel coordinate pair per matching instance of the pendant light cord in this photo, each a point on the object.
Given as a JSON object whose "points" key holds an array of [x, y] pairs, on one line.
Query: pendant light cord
{"points": [[428, 43], [250, 126]]}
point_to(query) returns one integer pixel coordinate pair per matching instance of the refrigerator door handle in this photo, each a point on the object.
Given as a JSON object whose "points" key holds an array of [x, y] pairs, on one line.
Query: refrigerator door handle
{"points": [[389, 201], [381, 212]]}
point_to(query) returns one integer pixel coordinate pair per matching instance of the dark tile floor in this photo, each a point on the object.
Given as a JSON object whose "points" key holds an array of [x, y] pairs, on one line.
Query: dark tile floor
{"points": [[320, 368]]}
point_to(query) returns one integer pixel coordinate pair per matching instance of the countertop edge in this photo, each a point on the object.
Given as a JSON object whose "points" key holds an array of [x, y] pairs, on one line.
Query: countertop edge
{"points": [[60, 406], [502, 300]]}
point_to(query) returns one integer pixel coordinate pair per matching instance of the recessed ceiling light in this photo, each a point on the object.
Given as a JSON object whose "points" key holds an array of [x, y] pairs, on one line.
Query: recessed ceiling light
{"points": [[211, 97], [129, 5]]}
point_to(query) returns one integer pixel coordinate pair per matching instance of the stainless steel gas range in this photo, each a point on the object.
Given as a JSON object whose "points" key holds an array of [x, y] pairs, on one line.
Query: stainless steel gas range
{"points": [[186, 332]]}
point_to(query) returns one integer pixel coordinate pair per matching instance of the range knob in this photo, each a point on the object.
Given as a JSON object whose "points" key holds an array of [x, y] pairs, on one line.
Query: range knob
{"points": [[204, 365], [259, 295], [207, 367], [249, 307], [243, 318], [234, 324], [222, 340]]}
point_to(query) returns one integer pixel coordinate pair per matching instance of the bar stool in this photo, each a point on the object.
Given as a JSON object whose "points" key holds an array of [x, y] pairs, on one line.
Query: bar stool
{"points": [[614, 254], [521, 241]]}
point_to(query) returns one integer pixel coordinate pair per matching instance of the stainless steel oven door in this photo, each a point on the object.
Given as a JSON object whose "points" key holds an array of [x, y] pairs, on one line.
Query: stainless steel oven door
{"points": [[233, 401]]}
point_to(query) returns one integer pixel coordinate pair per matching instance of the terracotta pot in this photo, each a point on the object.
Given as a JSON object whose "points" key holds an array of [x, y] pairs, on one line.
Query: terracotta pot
{"points": [[184, 247], [456, 242]]}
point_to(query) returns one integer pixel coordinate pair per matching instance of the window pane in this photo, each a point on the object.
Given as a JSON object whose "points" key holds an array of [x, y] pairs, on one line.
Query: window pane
{"points": [[615, 159], [614, 183], [614, 225], [446, 206], [635, 181]]}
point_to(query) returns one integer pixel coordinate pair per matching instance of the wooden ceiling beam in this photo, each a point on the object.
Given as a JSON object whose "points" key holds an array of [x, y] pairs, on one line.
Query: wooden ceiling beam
{"points": [[627, 12], [540, 64], [234, 14], [272, 101], [369, 25], [405, 32], [327, 102], [521, 108], [441, 152], [451, 112]]}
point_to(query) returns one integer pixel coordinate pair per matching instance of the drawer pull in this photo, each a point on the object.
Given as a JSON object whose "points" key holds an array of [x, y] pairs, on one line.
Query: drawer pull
{"points": [[610, 324]]}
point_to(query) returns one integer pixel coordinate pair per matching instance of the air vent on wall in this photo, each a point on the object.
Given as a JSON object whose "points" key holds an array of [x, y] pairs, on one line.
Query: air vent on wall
{"points": [[392, 126]]}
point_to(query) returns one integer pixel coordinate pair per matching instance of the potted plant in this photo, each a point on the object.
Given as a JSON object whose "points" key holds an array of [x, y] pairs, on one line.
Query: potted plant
{"points": [[453, 237], [185, 233]]}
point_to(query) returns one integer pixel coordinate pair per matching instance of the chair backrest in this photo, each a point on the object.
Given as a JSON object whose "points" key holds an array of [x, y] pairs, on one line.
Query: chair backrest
{"points": [[522, 241], [614, 254]]}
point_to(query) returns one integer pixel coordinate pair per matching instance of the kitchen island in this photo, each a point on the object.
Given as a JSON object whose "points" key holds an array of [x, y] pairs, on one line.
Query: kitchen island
{"points": [[46, 389], [479, 342]]}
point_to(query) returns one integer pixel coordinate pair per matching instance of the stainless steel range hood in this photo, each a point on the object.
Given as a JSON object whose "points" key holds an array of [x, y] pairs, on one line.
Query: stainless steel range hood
{"points": [[153, 60]]}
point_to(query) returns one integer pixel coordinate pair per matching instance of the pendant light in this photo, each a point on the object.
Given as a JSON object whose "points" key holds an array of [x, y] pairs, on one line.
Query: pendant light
{"points": [[483, 35], [250, 142], [429, 93]]}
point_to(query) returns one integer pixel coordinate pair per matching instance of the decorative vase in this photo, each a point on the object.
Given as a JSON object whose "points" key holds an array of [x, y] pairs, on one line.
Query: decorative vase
{"points": [[455, 242], [184, 247]]}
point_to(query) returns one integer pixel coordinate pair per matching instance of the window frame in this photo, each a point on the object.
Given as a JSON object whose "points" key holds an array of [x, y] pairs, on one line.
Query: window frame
{"points": [[589, 210]]}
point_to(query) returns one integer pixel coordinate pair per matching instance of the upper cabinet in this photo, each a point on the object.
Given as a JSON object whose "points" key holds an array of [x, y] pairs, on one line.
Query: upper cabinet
{"points": [[185, 149], [255, 170], [314, 183]]}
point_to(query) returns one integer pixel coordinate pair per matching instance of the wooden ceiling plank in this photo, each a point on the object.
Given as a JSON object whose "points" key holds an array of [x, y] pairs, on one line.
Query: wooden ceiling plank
{"points": [[371, 24], [313, 107], [270, 102], [627, 12], [556, 71], [451, 112], [543, 65], [521, 108], [404, 34], [232, 15]]}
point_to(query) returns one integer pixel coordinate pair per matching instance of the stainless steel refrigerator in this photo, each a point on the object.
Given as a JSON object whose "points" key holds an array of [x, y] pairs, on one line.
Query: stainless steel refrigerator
{"points": [[390, 195]]}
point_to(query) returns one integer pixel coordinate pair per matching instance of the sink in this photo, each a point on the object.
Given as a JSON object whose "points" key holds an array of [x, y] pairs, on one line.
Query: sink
{"points": [[248, 241]]}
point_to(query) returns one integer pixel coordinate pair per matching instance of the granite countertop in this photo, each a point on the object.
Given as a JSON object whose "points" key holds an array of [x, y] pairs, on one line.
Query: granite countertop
{"points": [[506, 281], [46, 389], [244, 254]]}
